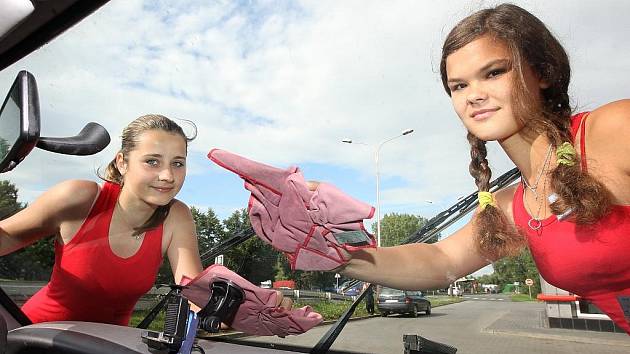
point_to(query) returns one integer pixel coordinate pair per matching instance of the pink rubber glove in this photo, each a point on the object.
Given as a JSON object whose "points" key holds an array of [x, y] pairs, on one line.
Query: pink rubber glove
{"points": [[259, 313], [311, 227]]}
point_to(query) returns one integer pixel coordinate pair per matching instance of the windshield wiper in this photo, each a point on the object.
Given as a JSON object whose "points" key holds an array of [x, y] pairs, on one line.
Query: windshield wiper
{"points": [[432, 227]]}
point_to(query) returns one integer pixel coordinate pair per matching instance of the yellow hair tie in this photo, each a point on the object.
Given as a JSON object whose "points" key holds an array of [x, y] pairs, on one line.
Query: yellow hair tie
{"points": [[565, 154], [485, 199]]}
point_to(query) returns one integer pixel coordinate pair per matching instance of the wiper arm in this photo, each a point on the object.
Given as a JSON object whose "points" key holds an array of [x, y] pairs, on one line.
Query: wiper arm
{"points": [[433, 226], [240, 237], [327, 339], [459, 209]]}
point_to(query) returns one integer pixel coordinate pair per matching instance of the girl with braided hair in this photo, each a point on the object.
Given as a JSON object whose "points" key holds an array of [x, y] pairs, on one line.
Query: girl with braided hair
{"points": [[508, 77]]}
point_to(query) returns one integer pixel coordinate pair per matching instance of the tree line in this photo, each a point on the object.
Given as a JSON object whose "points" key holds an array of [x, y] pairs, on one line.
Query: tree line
{"points": [[253, 259]]}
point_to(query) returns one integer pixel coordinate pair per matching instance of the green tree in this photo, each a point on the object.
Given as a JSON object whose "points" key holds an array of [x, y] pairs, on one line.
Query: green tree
{"points": [[396, 228], [516, 269], [209, 229], [253, 259], [4, 148], [30, 263], [303, 279], [8, 200]]}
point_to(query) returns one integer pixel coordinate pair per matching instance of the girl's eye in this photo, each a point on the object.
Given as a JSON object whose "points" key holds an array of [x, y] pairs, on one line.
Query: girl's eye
{"points": [[495, 72], [179, 164], [152, 162], [457, 87]]}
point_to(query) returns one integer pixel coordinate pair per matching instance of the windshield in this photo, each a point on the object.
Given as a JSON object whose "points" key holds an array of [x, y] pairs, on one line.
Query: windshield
{"points": [[290, 84], [389, 291]]}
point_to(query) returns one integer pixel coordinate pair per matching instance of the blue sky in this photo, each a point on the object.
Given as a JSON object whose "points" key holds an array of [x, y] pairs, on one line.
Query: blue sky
{"points": [[285, 82]]}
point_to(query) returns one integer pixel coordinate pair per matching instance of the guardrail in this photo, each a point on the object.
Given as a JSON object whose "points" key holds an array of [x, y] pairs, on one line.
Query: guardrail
{"points": [[20, 291]]}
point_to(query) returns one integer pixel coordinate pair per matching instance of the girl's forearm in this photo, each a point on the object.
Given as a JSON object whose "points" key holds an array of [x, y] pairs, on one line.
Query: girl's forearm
{"points": [[407, 267]]}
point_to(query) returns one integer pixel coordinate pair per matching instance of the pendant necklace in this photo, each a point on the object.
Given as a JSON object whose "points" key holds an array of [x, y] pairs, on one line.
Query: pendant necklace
{"points": [[534, 222], [124, 218], [533, 187]]}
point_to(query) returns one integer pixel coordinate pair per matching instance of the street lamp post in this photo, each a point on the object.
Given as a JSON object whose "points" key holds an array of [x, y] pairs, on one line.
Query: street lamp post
{"points": [[378, 191]]}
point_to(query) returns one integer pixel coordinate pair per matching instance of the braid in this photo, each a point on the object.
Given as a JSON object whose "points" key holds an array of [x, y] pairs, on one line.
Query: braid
{"points": [[576, 189], [496, 236]]}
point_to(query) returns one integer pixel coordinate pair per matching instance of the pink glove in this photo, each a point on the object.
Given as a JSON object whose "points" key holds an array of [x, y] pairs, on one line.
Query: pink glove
{"points": [[310, 227], [259, 313]]}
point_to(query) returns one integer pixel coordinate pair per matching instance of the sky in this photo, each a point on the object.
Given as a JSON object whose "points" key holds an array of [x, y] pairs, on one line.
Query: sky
{"points": [[284, 82]]}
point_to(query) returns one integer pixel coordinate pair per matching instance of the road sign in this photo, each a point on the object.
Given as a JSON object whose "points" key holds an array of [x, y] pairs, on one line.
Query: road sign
{"points": [[529, 284]]}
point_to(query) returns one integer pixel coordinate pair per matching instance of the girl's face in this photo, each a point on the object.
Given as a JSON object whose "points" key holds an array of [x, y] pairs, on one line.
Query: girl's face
{"points": [[481, 80], [155, 170]]}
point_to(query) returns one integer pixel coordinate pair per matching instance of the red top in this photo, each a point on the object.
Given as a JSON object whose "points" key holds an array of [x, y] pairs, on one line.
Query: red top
{"points": [[591, 261], [91, 283]]}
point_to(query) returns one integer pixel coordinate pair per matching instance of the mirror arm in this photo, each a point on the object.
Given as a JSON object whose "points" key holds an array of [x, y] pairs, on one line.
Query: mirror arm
{"points": [[91, 139]]}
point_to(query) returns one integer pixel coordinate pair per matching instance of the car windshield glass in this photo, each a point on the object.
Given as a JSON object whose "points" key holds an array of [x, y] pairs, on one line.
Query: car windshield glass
{"points": [[328, 87], [389, 291]]}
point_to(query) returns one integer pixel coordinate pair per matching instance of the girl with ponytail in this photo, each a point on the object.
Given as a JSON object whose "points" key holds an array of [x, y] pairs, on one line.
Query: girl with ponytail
{"points": [[508, 80], [111, 238]]}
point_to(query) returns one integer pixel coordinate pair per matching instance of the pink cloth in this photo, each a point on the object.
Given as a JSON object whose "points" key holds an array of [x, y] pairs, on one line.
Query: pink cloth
{"points": [[258, 314], [310, 227]]}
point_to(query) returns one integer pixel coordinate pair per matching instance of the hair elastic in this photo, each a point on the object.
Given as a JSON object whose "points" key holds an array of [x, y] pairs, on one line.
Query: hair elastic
{"points": [[565, 154], [485, 199]]}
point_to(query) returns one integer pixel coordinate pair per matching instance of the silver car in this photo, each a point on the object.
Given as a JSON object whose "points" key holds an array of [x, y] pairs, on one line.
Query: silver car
{"points": [[401, 301]]}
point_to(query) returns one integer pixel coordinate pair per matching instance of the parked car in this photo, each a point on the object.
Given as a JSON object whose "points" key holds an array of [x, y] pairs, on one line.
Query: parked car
{"points": [[354, 290], [400, 301]]}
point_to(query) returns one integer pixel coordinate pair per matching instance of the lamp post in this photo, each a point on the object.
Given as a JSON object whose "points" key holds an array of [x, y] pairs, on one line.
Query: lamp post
{"points": [[378, 191]]}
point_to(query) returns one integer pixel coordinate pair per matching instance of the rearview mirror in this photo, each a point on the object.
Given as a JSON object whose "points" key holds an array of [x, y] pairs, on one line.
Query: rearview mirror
{"points": [[19, 121]]}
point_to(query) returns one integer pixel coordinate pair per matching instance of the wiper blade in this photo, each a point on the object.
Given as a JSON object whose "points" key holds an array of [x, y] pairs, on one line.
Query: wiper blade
{"points": [[327, 339], [459, 209], [240, 237], [432, 227]]}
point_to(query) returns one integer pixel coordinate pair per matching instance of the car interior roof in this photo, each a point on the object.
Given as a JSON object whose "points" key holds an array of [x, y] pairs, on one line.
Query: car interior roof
{"points": [[47, 20]]}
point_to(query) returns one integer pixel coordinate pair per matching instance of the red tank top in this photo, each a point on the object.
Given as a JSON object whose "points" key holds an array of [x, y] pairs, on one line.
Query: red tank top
{"points": [[590, 261], [91, 283]]}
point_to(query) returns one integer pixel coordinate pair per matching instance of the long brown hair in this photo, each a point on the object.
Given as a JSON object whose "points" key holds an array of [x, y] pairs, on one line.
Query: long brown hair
{"points": [[129, 139], [530, 43]]}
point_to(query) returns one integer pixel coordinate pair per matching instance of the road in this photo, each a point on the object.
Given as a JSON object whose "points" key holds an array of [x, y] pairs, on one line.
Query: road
{"points": [[486, 324]]}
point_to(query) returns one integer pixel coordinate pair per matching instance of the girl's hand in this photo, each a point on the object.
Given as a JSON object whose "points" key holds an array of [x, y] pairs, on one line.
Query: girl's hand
{"points": [[312, 185]]}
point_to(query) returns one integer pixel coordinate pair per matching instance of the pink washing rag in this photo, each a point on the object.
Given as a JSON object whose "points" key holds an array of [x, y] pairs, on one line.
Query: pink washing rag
{"points": [[258, 314], [310, 227]]}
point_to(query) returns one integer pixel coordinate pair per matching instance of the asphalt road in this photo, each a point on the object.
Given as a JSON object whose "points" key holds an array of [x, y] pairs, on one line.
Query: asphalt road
{"points": [[487, 324]]}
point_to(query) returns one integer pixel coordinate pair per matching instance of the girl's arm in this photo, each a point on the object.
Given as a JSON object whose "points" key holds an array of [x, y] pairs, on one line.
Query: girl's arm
{"points": [[66, 202], [183, 250], [419, 265], [425, 266]]}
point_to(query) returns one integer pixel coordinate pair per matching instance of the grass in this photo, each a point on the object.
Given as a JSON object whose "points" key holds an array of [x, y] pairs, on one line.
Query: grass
{"points": [[156, 325], [522, 298], [330, 310], [441, 300]]}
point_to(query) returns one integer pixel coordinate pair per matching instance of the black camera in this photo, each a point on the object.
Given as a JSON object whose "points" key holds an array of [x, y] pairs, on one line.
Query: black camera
{"points": [[181, 323]]}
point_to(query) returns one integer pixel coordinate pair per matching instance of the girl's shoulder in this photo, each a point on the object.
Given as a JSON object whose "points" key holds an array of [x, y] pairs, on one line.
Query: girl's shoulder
{"points": [[607, 131], [179, 212], [610, 118], [75, 193]]}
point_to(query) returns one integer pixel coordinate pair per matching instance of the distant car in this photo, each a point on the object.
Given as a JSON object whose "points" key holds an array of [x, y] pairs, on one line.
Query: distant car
{"points": [[400, 301], [354, 290]]}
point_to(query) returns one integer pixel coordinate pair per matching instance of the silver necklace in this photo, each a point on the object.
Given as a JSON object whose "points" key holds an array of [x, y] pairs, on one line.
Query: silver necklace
{"points": [[533, 187], [124, 218], [535, 223]]}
